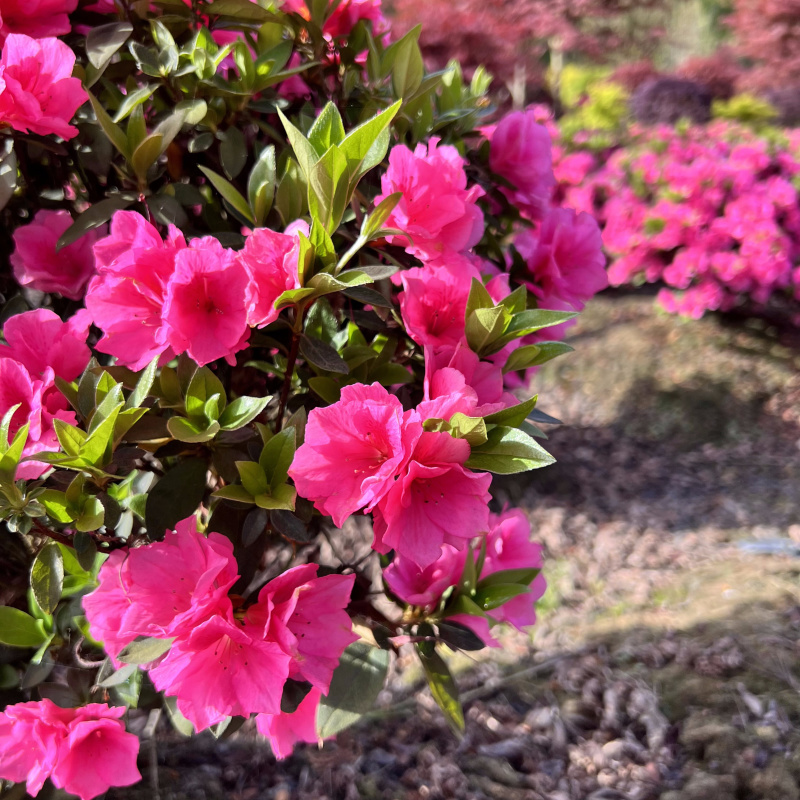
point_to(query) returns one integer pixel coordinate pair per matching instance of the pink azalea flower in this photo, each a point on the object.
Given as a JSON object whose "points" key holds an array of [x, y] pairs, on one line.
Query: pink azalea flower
{"points": [[164, 589], [520, 152], [508, 546], [433, 302], [39, 340], [206, 303], [126, 297], [40, 740], [306, 616], [223, 669], [425, 586], [437, 210], [35, 18], [345, 16], [36, 263], [270, 259], [96, 737], [435, 501], [565, 259], [37, 91], [284, 731], [353, 450]]}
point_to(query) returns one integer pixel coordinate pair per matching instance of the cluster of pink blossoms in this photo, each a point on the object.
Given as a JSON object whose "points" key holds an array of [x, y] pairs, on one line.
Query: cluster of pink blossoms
{"points": [[40, 347], [82, 750], [223, 660], [508, 546], [153, 297], [712, 212]]}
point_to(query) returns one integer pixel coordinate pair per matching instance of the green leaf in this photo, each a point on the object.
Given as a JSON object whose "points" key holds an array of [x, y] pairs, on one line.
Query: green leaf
{"points": [[322, 355], [516, 301], [92, 515], [18, 629], [327, 129], [508, 451], [513, 416], [242, 411], [375, 272], [522, 577], [114, 133], [406, 64], [442, 686], [261, 185], [94, 216], [305, 152], [236, 493], [494, 595], [243, 10], [186, 430], [531, 321], [103, 41], [98, 446], [281, 498], [479, 297], [328, 193], [55, 503], [252, 477], [179, 722], [473, 429], [532, 355], [277, 456], [144, 650], [85, 550], [484, 327], [291, 195], [356, 683], [5, 426], [47, 577], [459, 637], [232, 151], [131, 101], [374, 222], [143, 385], [120, 676], [146, 154], [365, 146], [203, 386], [230, 193], [11, 458], [175, 497]]}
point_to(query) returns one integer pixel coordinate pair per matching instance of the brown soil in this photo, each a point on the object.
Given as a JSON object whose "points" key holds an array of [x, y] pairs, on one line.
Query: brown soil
{"points": [[665, 661]]}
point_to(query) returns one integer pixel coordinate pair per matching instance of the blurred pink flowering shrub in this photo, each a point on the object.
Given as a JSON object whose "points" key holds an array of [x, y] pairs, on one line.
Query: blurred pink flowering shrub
{"points": [[249, 430]]}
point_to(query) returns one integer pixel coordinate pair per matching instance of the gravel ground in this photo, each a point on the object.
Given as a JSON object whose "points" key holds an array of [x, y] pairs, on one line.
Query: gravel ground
{"points": [[665, 661]]}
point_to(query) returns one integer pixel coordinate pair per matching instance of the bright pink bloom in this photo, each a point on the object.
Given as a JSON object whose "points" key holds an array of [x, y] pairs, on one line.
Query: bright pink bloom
{"points": [[40, 740], [436, 501], [270, 259], [127, 295], [35, 18], [284, 731], [37, 264], [565, 258], [39, 339], [353, 450], [433, 302], [521, 153], [345, 16], [425, 587], [96, 737], [223, 669], [508, 546], [37, 91], [206, 303], [437, 210], [164, 589], [306, 616]]}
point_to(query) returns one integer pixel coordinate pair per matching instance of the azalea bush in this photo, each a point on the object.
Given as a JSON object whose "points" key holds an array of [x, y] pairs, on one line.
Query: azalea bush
{"points": [[711, 212], [269, 286]]}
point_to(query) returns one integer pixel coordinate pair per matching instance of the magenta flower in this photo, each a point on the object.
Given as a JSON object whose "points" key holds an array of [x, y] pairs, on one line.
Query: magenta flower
{"points": [[509, 546], [223, 669], [565, 258], [35, 18], [434, 300], [270, 259], [37, 91], [36, 263], [40, 740], [345, 16], [126, 297], [306, 616], [164, 589], [206, 303], [425, 586], [435, 501], [436, 210], [520, 152], [284, 731], [353, 450]]}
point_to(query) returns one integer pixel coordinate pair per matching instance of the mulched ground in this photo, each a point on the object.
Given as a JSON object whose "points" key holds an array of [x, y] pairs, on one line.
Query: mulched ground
{"points": [[665, 661]]}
